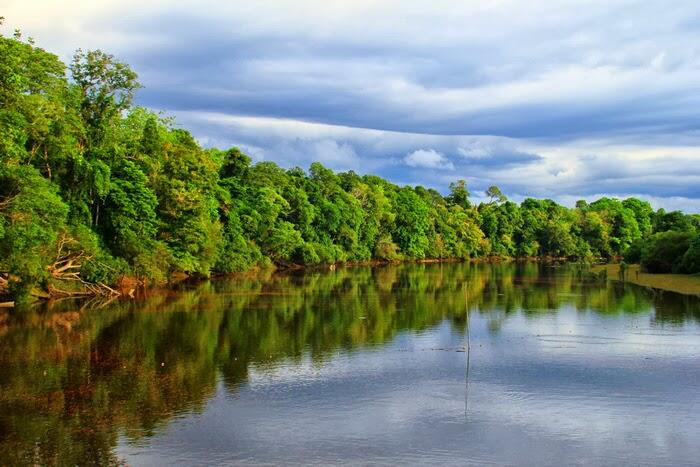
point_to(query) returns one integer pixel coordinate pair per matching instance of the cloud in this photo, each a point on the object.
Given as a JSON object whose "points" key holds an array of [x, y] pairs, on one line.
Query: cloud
{"points": [[494, 152], [531, 97], [665, 174], [550, 73], [428, 158]]}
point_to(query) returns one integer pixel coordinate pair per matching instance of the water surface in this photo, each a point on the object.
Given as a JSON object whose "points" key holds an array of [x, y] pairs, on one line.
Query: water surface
{"points": [[360, 366]]}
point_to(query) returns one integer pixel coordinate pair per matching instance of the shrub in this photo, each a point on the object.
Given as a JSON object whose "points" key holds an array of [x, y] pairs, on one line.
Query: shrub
{"points": [[663, 252], [387, 250], [633, 254], [691, 259]]}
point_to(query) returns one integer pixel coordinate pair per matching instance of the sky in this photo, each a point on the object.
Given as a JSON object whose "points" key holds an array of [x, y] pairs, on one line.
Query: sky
{"points": [[545, 98]]}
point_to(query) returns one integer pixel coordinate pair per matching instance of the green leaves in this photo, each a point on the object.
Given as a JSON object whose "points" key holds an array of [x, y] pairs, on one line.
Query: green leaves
{"points": [[412, 224], [690, 264], [106, 87], [132, 194], [130, 223], [664, 252], [32, 84], [31, 217]]}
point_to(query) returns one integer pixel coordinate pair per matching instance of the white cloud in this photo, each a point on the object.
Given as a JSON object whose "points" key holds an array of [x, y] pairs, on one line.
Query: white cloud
{"points": [[340, 156], [428, 158]]}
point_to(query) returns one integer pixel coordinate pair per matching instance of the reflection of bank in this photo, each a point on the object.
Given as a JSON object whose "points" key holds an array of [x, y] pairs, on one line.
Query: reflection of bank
{"points": [[73, 381]]}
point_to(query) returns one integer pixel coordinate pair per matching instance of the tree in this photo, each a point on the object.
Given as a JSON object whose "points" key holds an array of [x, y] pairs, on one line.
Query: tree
{"points": [[674, 220], [92, 187], [664, 251], [495, 195], [32, 107], [459, 195], [411, 223], [106, 88], [595, 232], [690, 264], [32, 216], [643, 213], [624, 228], [187, 189]]}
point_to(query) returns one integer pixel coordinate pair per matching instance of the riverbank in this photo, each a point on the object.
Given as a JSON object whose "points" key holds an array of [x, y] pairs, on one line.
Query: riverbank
{"points": [[128, 287], [680, 283]]}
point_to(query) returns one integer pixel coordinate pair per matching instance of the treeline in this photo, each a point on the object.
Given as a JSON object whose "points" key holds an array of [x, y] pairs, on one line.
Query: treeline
{"points": [[93, 188]]}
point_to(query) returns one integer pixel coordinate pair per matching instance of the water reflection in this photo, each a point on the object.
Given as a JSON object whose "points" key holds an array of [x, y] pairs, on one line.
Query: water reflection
{"points": [[365, 353]]}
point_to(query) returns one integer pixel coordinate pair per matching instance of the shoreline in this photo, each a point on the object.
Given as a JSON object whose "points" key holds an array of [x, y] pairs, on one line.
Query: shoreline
{"points": [[685, 284], [130, 287]]}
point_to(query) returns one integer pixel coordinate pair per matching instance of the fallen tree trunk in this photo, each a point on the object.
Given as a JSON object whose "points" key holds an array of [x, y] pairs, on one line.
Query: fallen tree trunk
{"points": [[66, 267], [65, 278]]}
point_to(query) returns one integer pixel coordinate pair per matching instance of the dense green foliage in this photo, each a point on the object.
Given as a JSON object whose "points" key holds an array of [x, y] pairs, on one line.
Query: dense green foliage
{"points": [[664, 252], [92, 188]]}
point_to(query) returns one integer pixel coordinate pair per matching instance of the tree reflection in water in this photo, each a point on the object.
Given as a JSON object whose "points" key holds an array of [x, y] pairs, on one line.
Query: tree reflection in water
{"points": [[72, 382]]}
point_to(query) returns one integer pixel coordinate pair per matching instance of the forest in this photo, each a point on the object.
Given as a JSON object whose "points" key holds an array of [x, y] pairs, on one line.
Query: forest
{"points": [[94, 189]]}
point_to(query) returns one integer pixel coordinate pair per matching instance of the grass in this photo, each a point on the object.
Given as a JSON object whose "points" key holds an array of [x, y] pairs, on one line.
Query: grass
{"points": [[681, 283]]}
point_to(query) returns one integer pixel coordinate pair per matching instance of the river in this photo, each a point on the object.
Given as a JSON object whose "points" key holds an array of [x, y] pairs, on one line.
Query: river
{"points": [[455, 364]]}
